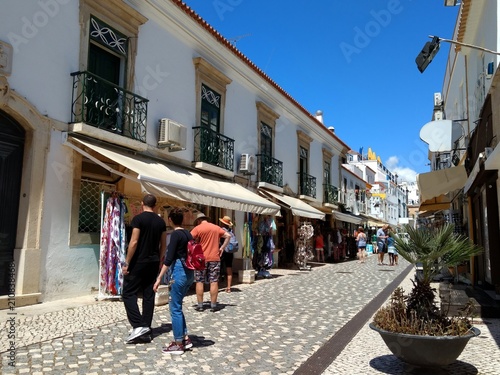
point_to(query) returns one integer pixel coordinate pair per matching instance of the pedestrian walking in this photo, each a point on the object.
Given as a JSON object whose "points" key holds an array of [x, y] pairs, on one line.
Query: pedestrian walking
{"points": [[227, 257], [146, 247], [361, 243], [180, 279], [381, 243], [209, 236], [319, 246], [390, 249]]}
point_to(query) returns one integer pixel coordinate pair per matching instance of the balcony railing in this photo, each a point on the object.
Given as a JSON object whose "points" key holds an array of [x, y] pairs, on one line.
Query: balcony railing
{"points": [[270, 170], [330, 194], [213, 148], [307, 185], [104, 105]]}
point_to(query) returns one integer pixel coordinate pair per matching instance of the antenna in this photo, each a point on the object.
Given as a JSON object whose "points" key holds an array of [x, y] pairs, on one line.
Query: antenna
{"points": [[237, 38]]}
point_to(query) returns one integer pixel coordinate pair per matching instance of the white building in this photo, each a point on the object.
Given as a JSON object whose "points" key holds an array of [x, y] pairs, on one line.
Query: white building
{"points": [[112, 96], [388, 201]]}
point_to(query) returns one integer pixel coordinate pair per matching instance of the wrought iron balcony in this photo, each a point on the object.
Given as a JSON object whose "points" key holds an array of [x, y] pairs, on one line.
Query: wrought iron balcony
{"points": [[104, 105], [270, 170], [330, 194], [213, 148], [307, 185]]}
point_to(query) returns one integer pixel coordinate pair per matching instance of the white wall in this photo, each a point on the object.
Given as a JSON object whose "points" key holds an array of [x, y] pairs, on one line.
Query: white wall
{"points": [[66, 270], [45, 52]]}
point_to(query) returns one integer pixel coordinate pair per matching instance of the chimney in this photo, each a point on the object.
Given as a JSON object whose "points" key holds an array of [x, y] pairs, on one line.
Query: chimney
{"points": [[319, 116]]}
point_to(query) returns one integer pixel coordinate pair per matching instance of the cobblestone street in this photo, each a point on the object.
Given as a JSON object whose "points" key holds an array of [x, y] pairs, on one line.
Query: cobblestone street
{"points": [[269, 327]]}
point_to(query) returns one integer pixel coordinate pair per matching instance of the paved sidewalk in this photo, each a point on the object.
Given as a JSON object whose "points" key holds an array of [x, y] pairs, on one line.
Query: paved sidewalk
{"points": [[269, 327]]}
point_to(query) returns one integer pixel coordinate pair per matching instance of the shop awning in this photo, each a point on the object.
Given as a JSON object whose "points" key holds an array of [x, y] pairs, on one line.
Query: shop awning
{"points": [[436, 183], [182, 184], [298, 207], [441, 202], [372, 221], [348, 217]]}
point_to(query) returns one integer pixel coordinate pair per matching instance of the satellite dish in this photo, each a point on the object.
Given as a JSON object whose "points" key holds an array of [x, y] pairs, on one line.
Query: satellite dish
{"points": [[440, 135]]}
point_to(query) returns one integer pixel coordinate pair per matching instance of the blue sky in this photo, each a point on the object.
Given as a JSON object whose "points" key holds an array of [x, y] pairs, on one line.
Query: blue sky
{"points": [[354, 60]]}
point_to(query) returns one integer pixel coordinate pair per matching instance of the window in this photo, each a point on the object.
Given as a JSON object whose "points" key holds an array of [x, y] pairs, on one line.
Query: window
{"points": [[89, 214], [266, 140], [210, 108], [103, 94], [210, 95], [326, 173]]}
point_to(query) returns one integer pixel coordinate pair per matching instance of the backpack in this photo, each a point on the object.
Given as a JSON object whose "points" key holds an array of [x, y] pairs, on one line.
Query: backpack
{"points": [[195, 259], [233, 244]]}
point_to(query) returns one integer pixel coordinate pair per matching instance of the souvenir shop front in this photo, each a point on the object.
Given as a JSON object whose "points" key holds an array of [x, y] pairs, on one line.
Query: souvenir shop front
{"points": [[344, 239], [294, 229], [173, 186]]}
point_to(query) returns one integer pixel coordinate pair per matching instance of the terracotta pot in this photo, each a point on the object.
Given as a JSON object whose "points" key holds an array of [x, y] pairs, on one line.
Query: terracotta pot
{"points": [[426, 351]]}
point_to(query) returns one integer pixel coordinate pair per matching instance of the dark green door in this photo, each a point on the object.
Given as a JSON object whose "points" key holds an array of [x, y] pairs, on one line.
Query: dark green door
{"points": [[12, 137], [104, 98]]}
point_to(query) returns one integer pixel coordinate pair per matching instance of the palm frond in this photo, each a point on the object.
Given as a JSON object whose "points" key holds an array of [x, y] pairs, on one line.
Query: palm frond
{"points": [[435, 248]]}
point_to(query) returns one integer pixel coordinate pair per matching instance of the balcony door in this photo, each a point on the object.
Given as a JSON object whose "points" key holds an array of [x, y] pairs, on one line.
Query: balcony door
{"points": [[107, 61], [303, 170], [266, 152], [104, 97]]}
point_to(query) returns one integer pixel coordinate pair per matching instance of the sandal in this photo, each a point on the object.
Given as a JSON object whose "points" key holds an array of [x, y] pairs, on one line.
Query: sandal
{"points": [[228, 290]]}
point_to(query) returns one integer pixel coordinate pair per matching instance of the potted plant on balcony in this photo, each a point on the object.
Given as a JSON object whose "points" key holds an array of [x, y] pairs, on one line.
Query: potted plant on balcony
{"points": [[413, 326]]}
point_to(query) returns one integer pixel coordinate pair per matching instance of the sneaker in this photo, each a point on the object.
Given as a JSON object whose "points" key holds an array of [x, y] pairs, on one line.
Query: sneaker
{"points": [[214, 309], [188, 344], [137, 332], [198, 308], [173, 348], [144, 339]]}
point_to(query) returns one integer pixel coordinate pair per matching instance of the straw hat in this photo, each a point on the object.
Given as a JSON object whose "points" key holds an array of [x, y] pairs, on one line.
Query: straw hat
{"points": [[226, 220]]}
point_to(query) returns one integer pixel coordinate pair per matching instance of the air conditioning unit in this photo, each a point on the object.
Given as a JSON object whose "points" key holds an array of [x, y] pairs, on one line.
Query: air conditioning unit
{"points": [[172, 135], [438, 99], [247, 164]]}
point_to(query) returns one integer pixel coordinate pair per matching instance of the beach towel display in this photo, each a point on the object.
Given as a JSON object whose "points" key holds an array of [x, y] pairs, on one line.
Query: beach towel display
{"points": [[112, 248]]}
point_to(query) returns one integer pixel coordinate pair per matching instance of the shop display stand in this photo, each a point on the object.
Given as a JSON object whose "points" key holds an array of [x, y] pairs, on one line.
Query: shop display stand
{"points": [[303, 252]]}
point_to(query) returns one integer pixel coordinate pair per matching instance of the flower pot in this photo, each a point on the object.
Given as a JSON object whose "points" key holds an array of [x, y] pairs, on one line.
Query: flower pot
{"points": [[425, 351]]}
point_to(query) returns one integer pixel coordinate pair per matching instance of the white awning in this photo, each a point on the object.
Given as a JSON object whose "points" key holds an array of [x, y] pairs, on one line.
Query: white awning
{"points": [[185, 185], [348, 217], [298, 207], [436, 183]]}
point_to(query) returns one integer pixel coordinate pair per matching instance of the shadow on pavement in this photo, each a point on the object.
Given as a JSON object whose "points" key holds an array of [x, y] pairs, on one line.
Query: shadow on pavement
{"points": [[389, 364]]}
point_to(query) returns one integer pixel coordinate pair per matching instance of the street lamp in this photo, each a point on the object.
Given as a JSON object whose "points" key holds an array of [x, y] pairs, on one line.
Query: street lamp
{"points": [[430, 49], [450, 3], [425, 56]]}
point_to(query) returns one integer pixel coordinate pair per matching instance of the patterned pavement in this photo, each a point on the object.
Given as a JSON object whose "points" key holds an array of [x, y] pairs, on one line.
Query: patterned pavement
{"points": [[272, 326]]}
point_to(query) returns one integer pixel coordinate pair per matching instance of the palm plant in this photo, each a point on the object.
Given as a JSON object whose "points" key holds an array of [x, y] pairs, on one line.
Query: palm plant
{"points": [[435, 248], [431, 249]]}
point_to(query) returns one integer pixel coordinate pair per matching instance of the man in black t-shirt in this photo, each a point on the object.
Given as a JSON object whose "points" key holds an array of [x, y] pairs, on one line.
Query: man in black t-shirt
{"points": [[145, 250]]}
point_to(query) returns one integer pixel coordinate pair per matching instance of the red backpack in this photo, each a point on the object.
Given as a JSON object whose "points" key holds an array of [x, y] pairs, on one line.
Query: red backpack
{"points": [[195, 259]]}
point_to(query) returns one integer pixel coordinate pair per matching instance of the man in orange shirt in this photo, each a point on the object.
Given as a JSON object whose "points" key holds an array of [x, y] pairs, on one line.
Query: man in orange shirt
{"points": [[209, 236]]}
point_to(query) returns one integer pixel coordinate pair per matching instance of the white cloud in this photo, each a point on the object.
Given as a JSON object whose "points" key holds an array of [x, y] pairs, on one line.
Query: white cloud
{"points": [[404, 173]]}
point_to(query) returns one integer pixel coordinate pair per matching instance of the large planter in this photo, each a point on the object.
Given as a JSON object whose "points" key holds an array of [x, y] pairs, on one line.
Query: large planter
{"points": [[425, 351]]}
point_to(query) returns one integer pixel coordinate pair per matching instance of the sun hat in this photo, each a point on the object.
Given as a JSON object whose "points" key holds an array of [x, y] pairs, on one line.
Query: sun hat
{"points": [[226, 220]]}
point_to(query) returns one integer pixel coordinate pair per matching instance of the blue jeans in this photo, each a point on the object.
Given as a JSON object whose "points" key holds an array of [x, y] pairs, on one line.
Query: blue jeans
{"points": [[182, 279]]}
